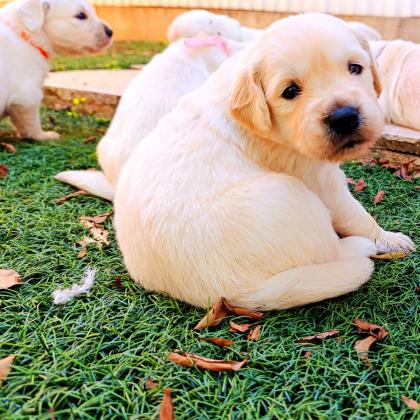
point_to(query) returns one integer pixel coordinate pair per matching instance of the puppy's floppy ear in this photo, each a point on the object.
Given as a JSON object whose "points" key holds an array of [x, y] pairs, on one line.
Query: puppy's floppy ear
{"points": [[31, 14], [248, 104], [373, 66]]}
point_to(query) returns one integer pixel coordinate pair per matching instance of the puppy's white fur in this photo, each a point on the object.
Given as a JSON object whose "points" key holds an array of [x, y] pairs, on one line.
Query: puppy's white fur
{"points": [[198, 22], [52, 28], [224, 198], [399, 67], [151, 95]]}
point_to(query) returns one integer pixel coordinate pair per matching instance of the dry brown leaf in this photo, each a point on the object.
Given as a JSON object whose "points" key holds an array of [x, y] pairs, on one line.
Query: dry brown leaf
{"points": [[84, 243], [254, 334], [360, 186], [383, 161], [307, 354], [379, 196], [5, 367], [3, 171], [99, 219], [8, 147], [374, 330], [98, 232], [234, 327], [214, 316], [413, 404], [68, 197], [221, 342], [151, 384], [351, 181], [418, 289], [9, 278], [362, 348], [390, 256], [236, 310], [405, 171], [89, 139], [167, 408], [191, 360], [318, 337]]}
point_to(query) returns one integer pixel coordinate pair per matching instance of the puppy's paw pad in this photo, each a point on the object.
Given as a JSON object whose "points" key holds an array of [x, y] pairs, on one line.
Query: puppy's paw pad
{"points": [[393, 242]]}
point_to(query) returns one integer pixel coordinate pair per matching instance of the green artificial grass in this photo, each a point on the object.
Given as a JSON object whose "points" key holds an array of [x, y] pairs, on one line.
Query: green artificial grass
{"points": [[121, 55], [90, 358]]}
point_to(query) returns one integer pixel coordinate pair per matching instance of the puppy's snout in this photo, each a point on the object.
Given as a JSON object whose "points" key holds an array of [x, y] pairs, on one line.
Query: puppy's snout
{"points": [[108, 31], [343, 120]]}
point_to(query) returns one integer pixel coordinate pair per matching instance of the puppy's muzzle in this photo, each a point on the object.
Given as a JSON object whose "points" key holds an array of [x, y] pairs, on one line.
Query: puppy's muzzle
{"points": [[343, 121]]}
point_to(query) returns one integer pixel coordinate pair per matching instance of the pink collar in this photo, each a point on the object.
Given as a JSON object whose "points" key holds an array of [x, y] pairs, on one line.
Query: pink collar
{"points": [[205, 41], [27, 38]]}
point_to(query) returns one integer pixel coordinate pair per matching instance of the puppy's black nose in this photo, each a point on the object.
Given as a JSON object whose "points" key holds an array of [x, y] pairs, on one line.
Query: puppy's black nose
{"points": [[344, 120], [108, 31]]}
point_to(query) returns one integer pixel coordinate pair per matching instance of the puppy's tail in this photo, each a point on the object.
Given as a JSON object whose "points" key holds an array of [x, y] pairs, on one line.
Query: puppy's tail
{"points": [[313, 283], [93, 182]]}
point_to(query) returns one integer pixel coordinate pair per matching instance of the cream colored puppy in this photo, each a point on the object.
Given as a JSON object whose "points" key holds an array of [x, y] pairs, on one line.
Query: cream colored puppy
{"points": [[199, 22], [238, 191], [31, 32], [399, 67], [180, 69]]}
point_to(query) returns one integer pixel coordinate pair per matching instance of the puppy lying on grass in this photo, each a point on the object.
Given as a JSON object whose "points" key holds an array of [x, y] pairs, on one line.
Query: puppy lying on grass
{"points": [[399, 68], [31, 32], [238, 191], [180, 69]]}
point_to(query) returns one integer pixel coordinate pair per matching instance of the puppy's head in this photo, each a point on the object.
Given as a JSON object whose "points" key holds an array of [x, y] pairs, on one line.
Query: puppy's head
{"points": [[71, 26], [202, 22], [310, 83]]}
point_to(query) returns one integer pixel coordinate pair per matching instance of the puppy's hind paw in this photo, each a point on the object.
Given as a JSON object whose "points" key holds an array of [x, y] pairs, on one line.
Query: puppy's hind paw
{"points": [[393, 242], [46, 135]]}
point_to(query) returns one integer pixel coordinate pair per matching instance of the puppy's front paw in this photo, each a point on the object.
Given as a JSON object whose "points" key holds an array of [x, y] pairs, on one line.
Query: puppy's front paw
{"points": [[47, 135], [393, 242]]}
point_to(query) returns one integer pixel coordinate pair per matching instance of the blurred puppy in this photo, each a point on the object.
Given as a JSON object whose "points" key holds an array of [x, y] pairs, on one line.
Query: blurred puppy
{"points": [[31, 32], [199, 22], [399, 67], [181, 68], [238, 191], [365, 31]]}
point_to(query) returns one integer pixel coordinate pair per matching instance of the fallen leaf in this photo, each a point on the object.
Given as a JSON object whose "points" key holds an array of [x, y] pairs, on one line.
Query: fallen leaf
{"points": [[151, 384], [51, 412], [307, 354], [191, 360], [374, 330], [214, 316], [379, 196], [362, 348], [236, 310], [117, 282], [5, 367], [405, 171], [3, 171], [360, 186], [68, 197], [98, 232], [167, 408], [221, 342], [254, 334], [318, 337], [351, 181], [418, 289], [413, 404], [85, 242], [383, 161], [390, 256], [9, 278], [234, 327], [99, 219], [89, 139], [9, 147]]}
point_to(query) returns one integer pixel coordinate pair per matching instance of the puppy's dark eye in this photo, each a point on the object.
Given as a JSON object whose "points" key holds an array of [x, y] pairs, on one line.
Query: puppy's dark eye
{"points": [[291, 92], [81, 16], [355, 68]]}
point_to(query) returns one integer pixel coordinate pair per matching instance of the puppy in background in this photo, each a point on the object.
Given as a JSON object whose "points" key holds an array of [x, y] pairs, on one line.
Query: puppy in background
{"points": [[180, 69], [238, 191], [399, 67], [31, 32], [202, 22]]}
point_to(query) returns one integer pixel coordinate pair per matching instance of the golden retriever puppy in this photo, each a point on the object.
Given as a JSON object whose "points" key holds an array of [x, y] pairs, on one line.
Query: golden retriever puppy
{"points": [[181, 68], [365, 31], [31, 32], [202, 22], [238, 191], [399, 66]]}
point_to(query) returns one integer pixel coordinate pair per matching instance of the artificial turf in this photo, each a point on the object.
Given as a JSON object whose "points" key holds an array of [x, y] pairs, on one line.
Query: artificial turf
{"points": [[90, 358]]}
